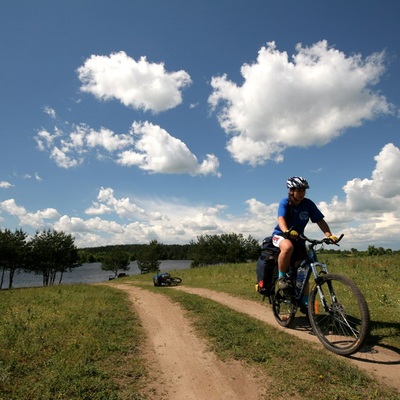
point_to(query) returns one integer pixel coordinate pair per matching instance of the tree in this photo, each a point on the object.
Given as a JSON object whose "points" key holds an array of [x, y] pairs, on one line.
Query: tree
{"points": [[115, 260], [52, 252], [149, 256], [225, 248], [13, 251]]}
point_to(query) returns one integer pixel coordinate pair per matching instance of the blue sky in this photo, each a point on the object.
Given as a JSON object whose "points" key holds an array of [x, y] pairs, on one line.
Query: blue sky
{"points": [[126, 121]]}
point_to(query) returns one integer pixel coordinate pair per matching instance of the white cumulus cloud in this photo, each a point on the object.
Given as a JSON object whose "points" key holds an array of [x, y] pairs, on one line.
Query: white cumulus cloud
{"points": [[5, 185], [308, 99], [37, 220], [381, 192], [137, 84], [107, 203], [147, 146], [155, 150]]}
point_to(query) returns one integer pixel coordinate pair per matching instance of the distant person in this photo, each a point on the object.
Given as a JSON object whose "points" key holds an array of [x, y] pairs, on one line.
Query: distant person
{"points": [[294, 212]]}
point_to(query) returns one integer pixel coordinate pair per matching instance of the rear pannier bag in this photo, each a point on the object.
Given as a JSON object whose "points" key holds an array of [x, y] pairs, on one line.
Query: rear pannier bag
{"points": [[267, 269]]}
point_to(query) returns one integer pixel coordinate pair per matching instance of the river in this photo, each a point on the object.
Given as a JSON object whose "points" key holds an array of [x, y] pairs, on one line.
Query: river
{"points": [[88, 273]]}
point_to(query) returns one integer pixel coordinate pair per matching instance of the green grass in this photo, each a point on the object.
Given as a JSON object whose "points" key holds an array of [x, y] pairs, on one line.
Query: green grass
{"points": [[69, 342], [83, 341]]}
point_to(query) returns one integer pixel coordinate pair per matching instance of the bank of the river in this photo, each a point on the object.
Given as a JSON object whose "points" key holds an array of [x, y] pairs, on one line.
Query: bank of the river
{"points": [[88, 273]]}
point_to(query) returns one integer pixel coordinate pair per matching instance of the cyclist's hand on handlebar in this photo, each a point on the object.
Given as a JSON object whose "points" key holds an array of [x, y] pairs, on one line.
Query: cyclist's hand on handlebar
{"points": [[333, 238], [292, 234]]}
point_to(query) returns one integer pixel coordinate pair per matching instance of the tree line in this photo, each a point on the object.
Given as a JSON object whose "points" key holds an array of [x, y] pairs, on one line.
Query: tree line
{"points": [[135, 251], [371, 251], [206, 250], [49, 253], [223, 249]]}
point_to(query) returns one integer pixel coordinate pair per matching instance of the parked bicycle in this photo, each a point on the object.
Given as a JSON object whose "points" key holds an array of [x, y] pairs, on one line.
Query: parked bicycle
{"points": [[165, 279], [336, 308]]}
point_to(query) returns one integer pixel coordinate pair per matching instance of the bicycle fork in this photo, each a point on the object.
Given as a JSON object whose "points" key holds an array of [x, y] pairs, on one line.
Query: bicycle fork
{"points": [[319, 269]]}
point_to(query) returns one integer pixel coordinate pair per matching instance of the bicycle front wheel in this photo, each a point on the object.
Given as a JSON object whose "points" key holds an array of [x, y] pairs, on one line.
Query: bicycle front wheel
{"points": [[339, 314], [175, 281]]}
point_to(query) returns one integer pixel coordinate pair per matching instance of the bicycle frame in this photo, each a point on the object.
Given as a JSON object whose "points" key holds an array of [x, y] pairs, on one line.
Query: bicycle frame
{"points": [[314, 268]]}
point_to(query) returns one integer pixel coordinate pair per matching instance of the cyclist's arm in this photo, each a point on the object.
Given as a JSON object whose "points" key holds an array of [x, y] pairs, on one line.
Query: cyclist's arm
{"points": [[282, 224], [324, 227]]}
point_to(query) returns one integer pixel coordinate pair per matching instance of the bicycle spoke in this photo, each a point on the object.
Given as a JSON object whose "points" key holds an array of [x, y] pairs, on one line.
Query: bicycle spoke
{"points": [[345, 326]]}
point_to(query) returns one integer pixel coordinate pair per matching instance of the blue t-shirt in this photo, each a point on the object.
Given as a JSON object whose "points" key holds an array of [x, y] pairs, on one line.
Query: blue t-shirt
{"points": [[299, 216]]}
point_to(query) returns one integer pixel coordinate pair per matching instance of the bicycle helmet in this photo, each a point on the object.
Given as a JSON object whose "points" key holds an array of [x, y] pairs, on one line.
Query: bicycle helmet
{"points": [[297, 182]]}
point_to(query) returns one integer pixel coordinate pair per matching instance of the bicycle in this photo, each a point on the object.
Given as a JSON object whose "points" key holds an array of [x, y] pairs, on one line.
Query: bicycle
{"points": [[165, 279], [336, 308]]}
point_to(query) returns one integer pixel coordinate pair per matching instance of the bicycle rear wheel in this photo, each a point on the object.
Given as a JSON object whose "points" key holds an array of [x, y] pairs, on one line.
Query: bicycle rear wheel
{"points": [[283, 307], [339, 314]]}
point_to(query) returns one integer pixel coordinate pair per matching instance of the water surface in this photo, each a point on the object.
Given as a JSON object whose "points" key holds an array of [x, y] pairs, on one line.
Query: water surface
{"points": [[89, 273]]}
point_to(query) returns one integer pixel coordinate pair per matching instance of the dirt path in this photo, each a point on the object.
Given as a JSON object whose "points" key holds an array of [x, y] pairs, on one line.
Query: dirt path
{"points": [[188, 370], [191, 372]]}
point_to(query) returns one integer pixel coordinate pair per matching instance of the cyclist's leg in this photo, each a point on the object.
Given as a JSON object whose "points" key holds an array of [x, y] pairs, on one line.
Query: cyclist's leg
{"points": [[286, 250], [285, 255], [283, 306]]}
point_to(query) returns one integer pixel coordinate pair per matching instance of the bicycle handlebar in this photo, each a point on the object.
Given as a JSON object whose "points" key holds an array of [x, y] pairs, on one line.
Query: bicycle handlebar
{"points": [[326, 240]]}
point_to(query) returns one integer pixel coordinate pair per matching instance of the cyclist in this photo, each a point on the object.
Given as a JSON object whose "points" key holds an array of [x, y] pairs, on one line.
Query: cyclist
{"points": [[294, 212]]}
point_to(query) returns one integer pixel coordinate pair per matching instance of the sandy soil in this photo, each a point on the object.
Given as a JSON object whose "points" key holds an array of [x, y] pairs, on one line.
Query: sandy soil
{"points": [[189, 371]]}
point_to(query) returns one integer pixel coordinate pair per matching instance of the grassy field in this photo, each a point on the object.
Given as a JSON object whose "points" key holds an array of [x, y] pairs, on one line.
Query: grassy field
{"points": [[69, 342], [83, 342]]}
